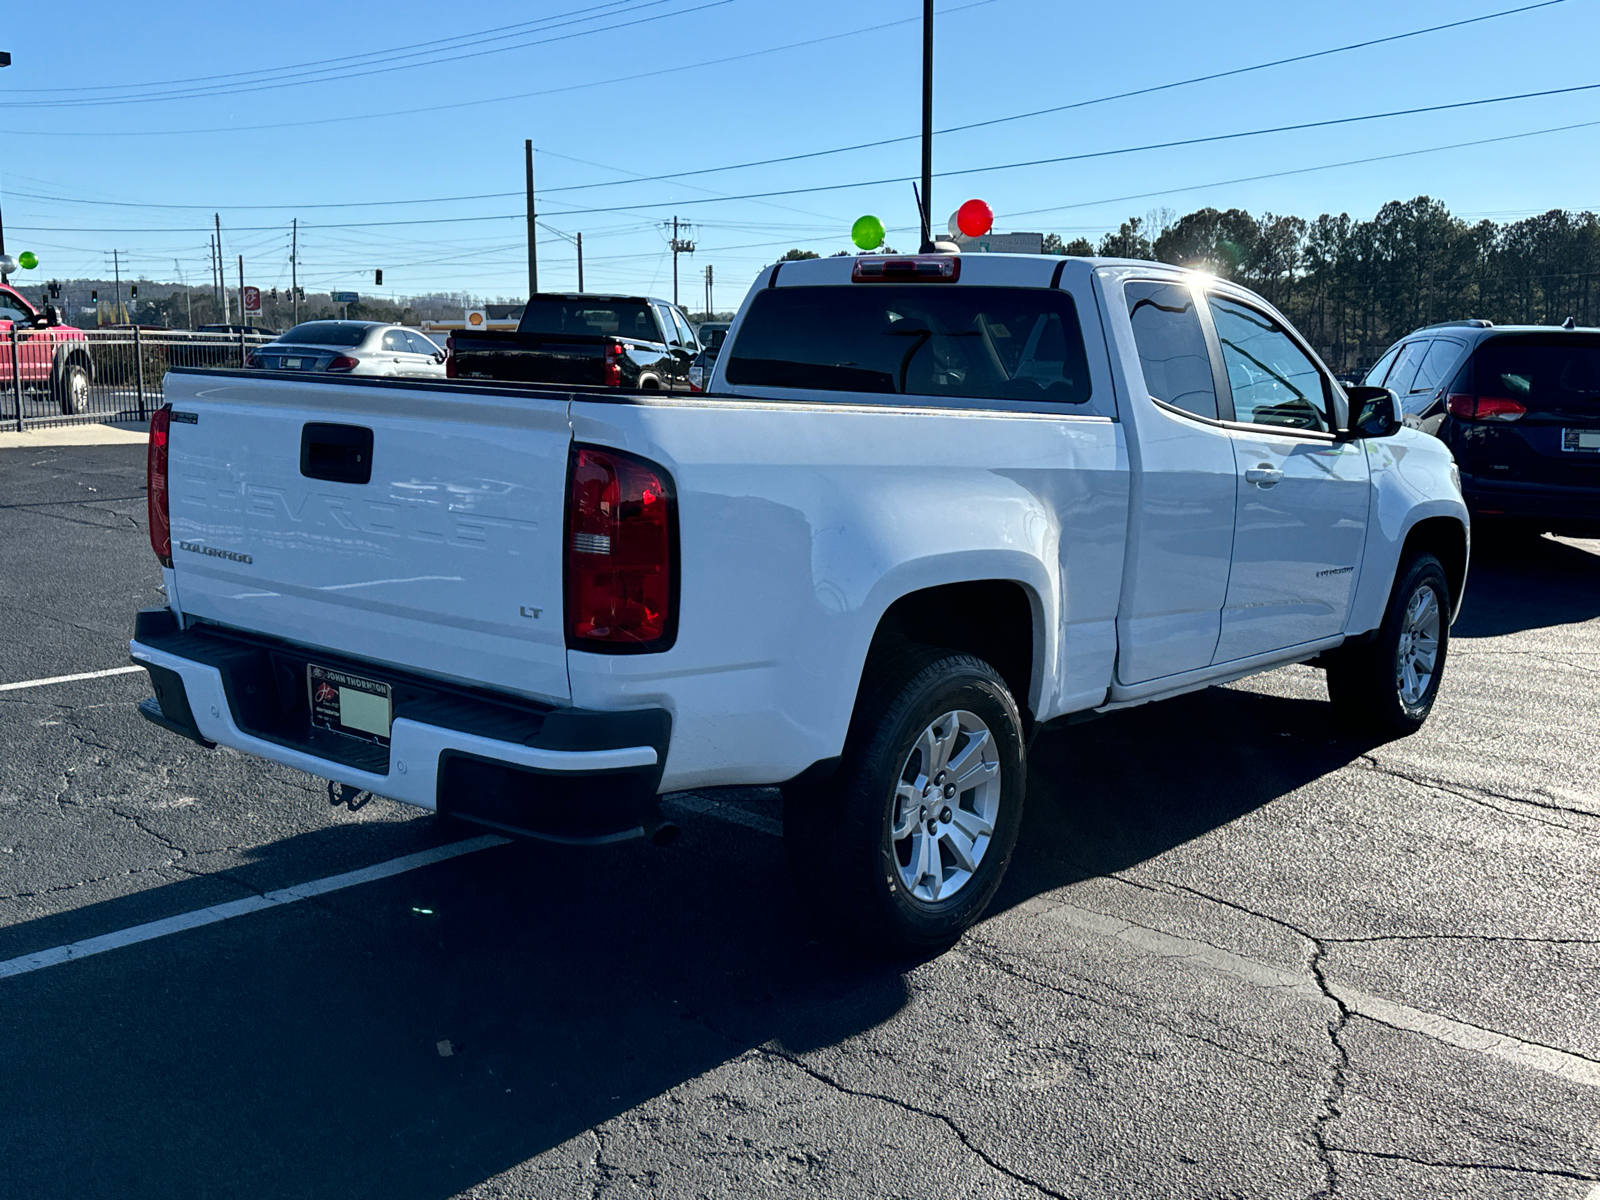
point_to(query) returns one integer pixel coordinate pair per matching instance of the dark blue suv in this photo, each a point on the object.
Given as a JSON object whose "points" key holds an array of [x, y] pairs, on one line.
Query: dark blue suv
{"points": [[1519, 407]]}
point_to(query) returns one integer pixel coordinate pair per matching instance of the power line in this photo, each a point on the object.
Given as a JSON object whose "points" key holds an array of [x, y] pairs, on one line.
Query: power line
{"points": [[435, 108], [433, 44], [199, 93], [1039, 112]]}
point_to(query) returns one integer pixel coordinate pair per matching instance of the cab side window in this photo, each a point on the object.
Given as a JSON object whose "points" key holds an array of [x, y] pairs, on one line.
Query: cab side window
{"points": [[685, 334], [1274, 382], [10, 310], [1172, 346]]}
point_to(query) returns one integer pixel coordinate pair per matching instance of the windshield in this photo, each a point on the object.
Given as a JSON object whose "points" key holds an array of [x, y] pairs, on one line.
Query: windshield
{"points": [[558, 315], [327, 333], [985, 343]]}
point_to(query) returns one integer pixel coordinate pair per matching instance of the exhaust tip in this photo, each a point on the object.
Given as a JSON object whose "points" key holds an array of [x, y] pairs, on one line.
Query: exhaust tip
{"points": [[661, 832]]}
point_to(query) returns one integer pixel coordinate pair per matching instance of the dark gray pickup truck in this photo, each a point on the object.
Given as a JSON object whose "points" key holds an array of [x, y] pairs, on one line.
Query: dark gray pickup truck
{"points": [[632, 342]]}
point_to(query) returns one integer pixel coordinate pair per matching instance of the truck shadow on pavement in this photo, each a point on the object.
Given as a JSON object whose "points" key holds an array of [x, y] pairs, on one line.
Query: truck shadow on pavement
{"points": [[1514, 585], [414, 1037]]}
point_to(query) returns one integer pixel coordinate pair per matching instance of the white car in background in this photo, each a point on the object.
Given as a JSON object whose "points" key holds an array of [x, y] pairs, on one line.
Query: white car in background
{"points": [[352, 348]]}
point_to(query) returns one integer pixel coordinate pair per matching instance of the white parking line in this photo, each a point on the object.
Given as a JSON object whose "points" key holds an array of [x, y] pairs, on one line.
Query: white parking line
{"points": [[1161, 944], [238, 908], [33, 683]]}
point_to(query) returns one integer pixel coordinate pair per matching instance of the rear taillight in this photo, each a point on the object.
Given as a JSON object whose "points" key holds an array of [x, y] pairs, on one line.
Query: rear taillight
{"points": [[1484, 408], [620, 561], [252, 360], [613, 365], [932, 268], [450, 357], [155, 479], [344, 363]]}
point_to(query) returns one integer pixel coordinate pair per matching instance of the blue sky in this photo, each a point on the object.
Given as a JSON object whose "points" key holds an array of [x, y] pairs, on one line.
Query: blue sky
{"points": [[570, 78]]}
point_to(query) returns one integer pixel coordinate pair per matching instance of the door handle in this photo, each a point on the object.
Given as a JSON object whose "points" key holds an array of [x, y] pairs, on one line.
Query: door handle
{"points": [[1264, 475]]}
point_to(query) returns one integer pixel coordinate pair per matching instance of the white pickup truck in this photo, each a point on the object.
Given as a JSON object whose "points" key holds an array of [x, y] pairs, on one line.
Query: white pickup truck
{"points": [[925, 506]]}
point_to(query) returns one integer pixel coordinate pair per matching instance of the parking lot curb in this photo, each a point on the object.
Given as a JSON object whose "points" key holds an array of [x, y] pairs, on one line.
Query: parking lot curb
{"points": [[121, 433]]}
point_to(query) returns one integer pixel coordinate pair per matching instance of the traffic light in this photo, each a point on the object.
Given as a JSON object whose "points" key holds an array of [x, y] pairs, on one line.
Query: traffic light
{"points": [[55, 289], [377, 278], [94, 295], [133, 291], [274, 295]]}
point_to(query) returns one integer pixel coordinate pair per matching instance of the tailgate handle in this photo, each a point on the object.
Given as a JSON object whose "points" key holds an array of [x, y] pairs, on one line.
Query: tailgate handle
{"points": [[338, 453]]}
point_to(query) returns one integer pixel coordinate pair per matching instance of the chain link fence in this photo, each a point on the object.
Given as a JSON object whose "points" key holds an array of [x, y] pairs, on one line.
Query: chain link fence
{"points": [[51, 378]]}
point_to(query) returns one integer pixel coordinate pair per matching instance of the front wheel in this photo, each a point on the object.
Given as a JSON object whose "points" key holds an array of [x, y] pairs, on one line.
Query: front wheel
{"points": [[72, 390], [1388, 685], [902, 850]]}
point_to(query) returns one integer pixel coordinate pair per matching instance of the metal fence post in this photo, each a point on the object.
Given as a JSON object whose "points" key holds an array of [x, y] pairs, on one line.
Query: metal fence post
{"points": [[138, 371], [241, 346], [16, 374]]}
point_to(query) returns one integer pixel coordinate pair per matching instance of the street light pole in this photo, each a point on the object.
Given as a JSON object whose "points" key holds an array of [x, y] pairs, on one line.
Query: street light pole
{"points": [[5, 61], [927, 126]]}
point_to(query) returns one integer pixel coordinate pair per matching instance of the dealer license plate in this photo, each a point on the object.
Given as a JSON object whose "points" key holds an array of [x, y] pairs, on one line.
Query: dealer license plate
{"points": [[348, 704], [1581, 440]]}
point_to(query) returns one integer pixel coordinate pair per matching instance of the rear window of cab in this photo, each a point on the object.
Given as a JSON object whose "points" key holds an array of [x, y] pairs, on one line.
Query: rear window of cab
{"points": [[936, 340]]}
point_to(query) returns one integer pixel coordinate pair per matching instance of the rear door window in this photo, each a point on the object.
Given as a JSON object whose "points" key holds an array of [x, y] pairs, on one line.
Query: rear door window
{"points": [[685, 333], [395, 339], [1436, 364], [1172, 346], [938, 340], [1405, 367]]}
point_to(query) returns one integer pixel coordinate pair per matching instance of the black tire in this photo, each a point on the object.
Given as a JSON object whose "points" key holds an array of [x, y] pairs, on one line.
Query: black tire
{"points": [[1368, 685], [72, 389], [847, 866]]}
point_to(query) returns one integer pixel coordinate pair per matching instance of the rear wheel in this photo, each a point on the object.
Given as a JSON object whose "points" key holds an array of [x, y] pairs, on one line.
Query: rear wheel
{"points": [[904, 847], [1388, 685], [72, 390]]}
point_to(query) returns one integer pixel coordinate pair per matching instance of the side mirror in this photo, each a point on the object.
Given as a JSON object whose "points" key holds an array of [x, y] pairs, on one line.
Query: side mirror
{"points": [[42, 320], [51, 316], [1374, 412], [438, 356]]}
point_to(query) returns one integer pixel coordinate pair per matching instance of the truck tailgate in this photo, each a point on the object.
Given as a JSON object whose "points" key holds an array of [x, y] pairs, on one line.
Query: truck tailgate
{"points": [[570, 359], [446, 561]]}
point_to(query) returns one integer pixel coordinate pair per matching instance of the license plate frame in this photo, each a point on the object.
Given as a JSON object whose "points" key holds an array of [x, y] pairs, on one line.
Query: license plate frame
{"points": [[1580, 441], [351, 705]]}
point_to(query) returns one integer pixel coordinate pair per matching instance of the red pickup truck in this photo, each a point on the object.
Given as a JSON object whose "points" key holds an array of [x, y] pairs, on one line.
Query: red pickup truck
{"points": [[52, 358]]}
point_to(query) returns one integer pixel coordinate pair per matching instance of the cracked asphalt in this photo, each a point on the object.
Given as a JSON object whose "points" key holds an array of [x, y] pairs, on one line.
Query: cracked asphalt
{"points": [[1237, 955]]}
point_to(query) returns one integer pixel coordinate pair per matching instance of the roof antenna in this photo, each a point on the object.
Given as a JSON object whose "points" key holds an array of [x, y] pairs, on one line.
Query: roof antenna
{"points": [[927, 230], [1569, 323]]}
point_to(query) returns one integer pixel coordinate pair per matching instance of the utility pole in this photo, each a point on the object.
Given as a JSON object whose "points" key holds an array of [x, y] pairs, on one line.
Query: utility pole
{"points": [[533, 250], [116, 271], [5, 61], [927, 126], [211, 261], [242, 320], [294, 268], [580, 262], [710, 311], [188, 296], [222, 274], [679, 246]]}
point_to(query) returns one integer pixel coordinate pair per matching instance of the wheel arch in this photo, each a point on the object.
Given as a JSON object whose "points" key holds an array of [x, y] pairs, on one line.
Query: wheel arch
{"points": [[997, 620], [1447, 540]]}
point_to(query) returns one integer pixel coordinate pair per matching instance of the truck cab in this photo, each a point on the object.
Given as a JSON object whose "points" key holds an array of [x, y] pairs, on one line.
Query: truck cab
{"points": [[43, 355]]}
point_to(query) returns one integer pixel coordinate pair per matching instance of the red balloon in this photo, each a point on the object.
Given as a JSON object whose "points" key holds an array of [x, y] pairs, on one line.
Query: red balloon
{"points": [[975, 218]]}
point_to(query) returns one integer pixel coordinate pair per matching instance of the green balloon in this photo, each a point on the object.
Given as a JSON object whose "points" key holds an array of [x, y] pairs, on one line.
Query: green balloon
{"points": [[27, 260], [867, 233]]}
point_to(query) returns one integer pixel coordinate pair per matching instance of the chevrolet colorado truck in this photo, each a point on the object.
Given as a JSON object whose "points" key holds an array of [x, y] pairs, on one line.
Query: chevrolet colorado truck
{"points": [[925, 507], [629, 342], [50, 358]]}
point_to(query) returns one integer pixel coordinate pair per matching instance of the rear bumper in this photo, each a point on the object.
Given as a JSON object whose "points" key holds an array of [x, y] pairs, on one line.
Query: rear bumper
{"points": [[556, 773], [1553, 506]]}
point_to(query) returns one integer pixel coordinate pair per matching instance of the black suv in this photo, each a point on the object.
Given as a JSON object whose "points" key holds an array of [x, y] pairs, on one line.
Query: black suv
{"points": [[1519, 407]]}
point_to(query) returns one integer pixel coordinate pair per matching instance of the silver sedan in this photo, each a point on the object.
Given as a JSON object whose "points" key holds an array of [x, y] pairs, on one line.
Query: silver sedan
{"points": [[352, 348]]}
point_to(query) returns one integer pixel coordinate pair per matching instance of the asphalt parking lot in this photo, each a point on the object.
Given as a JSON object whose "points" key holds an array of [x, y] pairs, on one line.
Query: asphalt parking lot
{"points": [[1236, 955]]}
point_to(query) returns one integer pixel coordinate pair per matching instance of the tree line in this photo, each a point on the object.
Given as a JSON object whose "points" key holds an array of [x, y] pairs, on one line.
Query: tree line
{"points": [[1355, 287]]}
